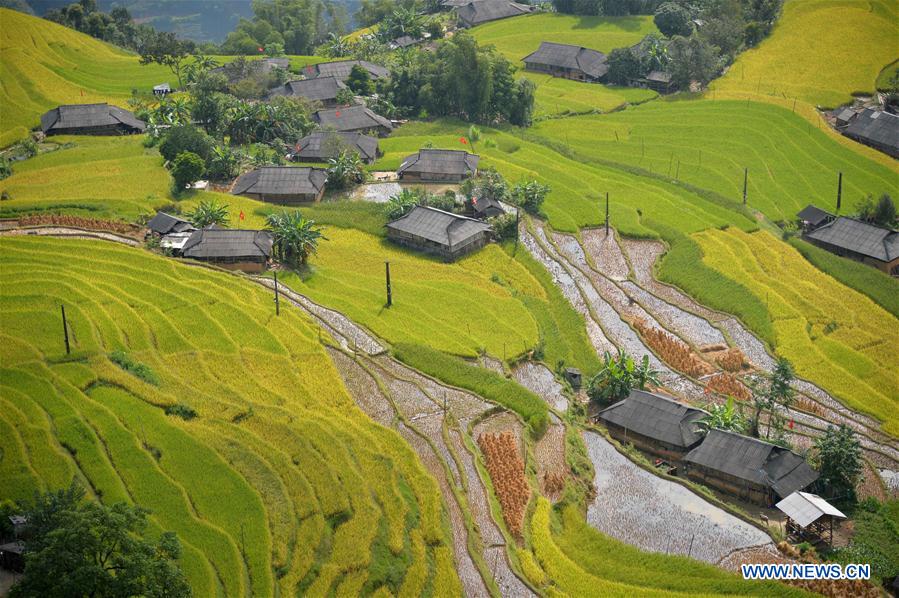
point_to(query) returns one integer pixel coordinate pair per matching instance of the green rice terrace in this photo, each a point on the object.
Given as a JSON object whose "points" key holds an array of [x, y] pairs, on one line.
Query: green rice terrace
{"points": [[365, 386]]}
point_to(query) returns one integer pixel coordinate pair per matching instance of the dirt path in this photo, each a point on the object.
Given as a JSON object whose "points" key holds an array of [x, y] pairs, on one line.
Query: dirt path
{"points": [[70, 233]]}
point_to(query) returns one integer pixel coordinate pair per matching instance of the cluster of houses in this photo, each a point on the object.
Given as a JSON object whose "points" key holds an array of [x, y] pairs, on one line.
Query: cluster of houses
{"points": [[852, 238]]}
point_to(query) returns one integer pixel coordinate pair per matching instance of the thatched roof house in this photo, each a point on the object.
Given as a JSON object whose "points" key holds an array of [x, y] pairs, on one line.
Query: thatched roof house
{"points": [[441, 233], [353, 119], [319, 146], [439, 165], [247, 250], [282, 184], [570, 62], [90, 119], [477, 12], [655, 424], [321, 89], [747, 467], [873, 245]]}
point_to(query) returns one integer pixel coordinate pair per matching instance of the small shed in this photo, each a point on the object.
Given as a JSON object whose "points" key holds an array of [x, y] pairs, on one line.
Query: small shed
{"points": [[437, 165], [809, 517], [812, 217], [19, 522], [164, 224], [404, 41], [845, 116], [12, 556], [486, 207], [659, 81], [573, 375], [434, 231], [90, 119], [570, 62], [175, 242], [353, 119], [162, 90], [282, 184], [319, 146], [233, 249], [321, 89]]}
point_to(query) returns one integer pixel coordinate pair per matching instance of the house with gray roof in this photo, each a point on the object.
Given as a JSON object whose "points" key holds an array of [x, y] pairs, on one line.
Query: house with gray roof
{"points": [[319, 146], [353, 119], [234, 249], [282, 184], [655, 424], [404, 41], [486, 207], [811, 217], [341, 69], [749, 468], [570, 62], [867, 243], [164, 224], [478, 12], [440, 233], [876, 128], [438, 165], [90, 119], [323, 90]]}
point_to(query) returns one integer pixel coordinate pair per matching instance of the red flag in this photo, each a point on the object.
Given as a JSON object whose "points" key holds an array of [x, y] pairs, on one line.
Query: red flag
{"points": [[474, 201], [261, 50], [337, 114], [791, 424], [463, 141], [242, 217], [309, 69]]}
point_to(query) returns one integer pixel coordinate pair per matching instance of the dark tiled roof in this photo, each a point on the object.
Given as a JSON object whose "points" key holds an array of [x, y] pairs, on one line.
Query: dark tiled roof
{"points": [[437, 161], [454, 3], [404, 41], [164, 224], [281, 180], [342, 68], [281, 63], [321, 145], [482, 11], [656, 417], [591, 62], [859, 237], [228, 243], [876, 126], [659, 77], [438, 226], [482, 204], [813, 215], [318, 89], [754, 461], [88, 115], [351, 118]]}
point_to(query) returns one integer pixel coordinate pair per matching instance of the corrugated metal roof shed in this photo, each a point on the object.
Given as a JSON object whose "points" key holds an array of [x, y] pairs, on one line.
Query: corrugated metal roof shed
{"points": [[439, 161], [441, 227], [805, 508], [656, 417], [351, 118], [78, 116], [228, 243], [321, 145], [859, 237], [281, 180], [591, 62]]}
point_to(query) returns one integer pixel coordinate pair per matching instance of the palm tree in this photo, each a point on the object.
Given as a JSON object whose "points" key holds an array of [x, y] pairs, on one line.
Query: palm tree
{"points": [[295, 238], [724, 417], [619, 375], [208, 213]]}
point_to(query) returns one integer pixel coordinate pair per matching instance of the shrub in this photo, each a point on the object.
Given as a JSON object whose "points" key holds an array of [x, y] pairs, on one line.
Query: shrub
{"points": [[673, 19], [187, 169], [181, 410], [142, 371], [504, 227], [186, 138]]}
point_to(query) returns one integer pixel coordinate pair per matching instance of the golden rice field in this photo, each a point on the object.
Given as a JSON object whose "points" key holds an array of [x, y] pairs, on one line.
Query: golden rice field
{"points": [[833, 335], [319, 498], [821, 52]]}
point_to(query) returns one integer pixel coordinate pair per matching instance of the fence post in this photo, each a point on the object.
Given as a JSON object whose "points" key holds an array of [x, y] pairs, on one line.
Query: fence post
{"points": [[65, 329], [389, 291], [277, 301]]}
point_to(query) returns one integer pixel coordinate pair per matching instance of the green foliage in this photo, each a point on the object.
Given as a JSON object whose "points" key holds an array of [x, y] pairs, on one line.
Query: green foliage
{"points": [[838, 457], [295, 238], [360, 81], [142, 371], [346, 170], [624, 66], [488, 184], [283, 118], [606, 7], [5, 168], [181, 410], [207, 213], [692, 59], [725, 417], [773, 396], [504, 227], [483, 382], [186, 138], [619, 375], [164, 48], [85, 548], [187, 169], [530, 195], [875, 539], [880, 213], [294, 25], [401, 204], [673, 19]]}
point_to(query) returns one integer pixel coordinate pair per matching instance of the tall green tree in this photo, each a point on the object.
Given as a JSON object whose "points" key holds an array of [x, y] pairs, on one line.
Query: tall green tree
{"points": [[838, 457], [295, 238], [84, 548], [673, 19], [345, 170], [166, 49], [772, 397]]}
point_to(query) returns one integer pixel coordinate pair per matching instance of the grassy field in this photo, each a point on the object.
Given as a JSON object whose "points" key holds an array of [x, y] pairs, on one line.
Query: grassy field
{"points": [[821, 52], [833, 335], [556, 96], [317, 494], [708, 143]]}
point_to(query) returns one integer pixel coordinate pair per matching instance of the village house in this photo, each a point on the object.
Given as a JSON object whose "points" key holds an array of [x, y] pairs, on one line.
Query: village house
{"points": [[658, 81], [357, 119], [654, 424], [319, 146], [860, 241], [477, 12], [437, 165], [812, 217], [809, 517], [282, 184], [404, 41], [341, 69], [570, 62], [323, 90], [90, 119], [164, 224], [876, 128], [434, 231], [749, 468], [486, 207], [233, 249]]}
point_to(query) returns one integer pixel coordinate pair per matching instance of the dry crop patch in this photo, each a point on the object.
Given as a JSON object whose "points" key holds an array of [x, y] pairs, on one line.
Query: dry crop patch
{"points": [[507, 473]]}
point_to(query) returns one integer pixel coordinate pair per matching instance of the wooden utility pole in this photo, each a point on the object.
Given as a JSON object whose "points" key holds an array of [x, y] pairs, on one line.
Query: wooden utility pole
{"points": [[389, 291], [517, 220], [839, 191], [65, 329], [745, 182], [277, 301], [607, 213]]}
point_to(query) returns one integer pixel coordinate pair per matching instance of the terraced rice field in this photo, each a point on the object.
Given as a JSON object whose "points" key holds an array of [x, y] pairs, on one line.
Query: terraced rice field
{"points": [[708, 143], [821, 52], [834, 336], [320, 498], [556, 96]]}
